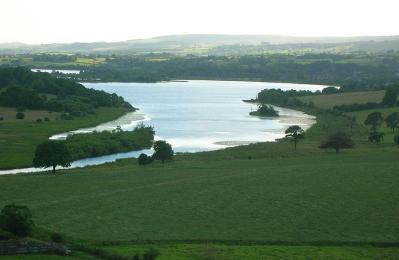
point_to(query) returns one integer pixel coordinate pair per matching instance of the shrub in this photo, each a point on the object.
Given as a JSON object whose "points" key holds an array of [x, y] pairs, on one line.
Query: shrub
{"points": [[56, 237], [150, 254], [338, 141], [330, 90], [20, 115], [46, 119], [1, 118], [65, 116], [16, 220], [376, 137], [144, 159], [39, 120], [396, 139]]}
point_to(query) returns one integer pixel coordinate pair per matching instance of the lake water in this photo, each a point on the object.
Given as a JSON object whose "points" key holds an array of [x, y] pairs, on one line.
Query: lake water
{"points": [[196, 115], [60, 71]]}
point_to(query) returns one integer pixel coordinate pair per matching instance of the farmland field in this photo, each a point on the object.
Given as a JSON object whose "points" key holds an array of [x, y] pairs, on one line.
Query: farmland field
{"points": [[329, 101]]}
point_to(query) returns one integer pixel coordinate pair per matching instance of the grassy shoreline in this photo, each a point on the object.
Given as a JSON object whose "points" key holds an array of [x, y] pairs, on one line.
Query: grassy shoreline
{"points": [[25, 135]]}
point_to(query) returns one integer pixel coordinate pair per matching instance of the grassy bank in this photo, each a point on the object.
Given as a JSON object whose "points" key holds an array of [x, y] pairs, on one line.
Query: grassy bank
{"points": [[19, 138], [241, 200]]}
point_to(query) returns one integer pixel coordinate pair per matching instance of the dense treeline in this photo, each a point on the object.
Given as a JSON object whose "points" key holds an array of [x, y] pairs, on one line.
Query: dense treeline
{"points": [[353, 72], [21, 88], [289, 99], [371, 72], [283, 98], [104, 143], [58, 58]]}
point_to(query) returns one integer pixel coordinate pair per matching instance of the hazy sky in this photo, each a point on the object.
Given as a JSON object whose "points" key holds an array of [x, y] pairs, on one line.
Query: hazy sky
{"points": [[47, 21]]}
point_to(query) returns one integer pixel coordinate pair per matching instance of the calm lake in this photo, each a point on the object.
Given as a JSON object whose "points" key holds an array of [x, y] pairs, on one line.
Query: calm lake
{"points": [[196, 115]]}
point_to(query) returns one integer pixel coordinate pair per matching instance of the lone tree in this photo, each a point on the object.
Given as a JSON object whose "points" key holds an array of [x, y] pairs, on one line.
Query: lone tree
{"points": [[392, 121], [337, 141], [163, 151], [374, 120], [16, 219], [390, 97], [295, 133], [51, 154]]}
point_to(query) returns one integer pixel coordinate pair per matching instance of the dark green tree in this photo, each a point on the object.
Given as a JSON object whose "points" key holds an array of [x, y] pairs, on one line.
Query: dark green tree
{"points": [[144, 159], [162, 151], [51, 154], [390, 97], [16, 219], [338, 141], [20, 115], [295, 133], [376, 137], [374, 120], [330, 90], [392, 121]]}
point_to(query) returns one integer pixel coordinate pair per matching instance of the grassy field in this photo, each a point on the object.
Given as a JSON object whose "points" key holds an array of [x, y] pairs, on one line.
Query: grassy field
{"points": [[223, 205], [19, 138], [307, 196], [212, 251], [250, 252], [9, 114], [329, 101]]}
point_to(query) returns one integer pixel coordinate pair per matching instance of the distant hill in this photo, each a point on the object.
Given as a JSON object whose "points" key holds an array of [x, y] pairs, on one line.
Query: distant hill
{"points": [[173, 43]]}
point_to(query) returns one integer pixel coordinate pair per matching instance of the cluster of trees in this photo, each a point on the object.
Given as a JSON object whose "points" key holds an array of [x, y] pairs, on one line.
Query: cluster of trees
{"points": [[265, 110], [20, 87], [162, 151], [375, 120], [337, 141], [61, 153], [284, 98], [102, 143]]}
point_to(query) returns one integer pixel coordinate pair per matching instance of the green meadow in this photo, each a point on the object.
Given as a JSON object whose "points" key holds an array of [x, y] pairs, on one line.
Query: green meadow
{"points": [[19, 137], [329, 101], [260, 201]]}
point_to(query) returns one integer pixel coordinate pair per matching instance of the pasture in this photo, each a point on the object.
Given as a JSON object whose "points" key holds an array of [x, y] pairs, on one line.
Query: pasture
{"points": [[329, 101]]}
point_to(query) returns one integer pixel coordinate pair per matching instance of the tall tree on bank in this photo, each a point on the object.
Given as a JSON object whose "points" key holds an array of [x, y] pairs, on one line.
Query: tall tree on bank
{"points": [[51, 154], [162, 151], [374, 120], [392, 121], [295, 133], [390, 97]]}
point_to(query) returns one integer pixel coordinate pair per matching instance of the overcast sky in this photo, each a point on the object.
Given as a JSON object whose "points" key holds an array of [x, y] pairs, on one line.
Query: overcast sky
{"points": [[49, 21]]}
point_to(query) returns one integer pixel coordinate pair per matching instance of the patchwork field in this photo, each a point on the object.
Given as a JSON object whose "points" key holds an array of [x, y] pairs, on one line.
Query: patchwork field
{"points": [[329, 101]]}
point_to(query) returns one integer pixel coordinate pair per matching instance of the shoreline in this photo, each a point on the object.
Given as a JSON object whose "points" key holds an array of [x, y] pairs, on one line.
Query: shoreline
{"points": [[304, 120]]}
